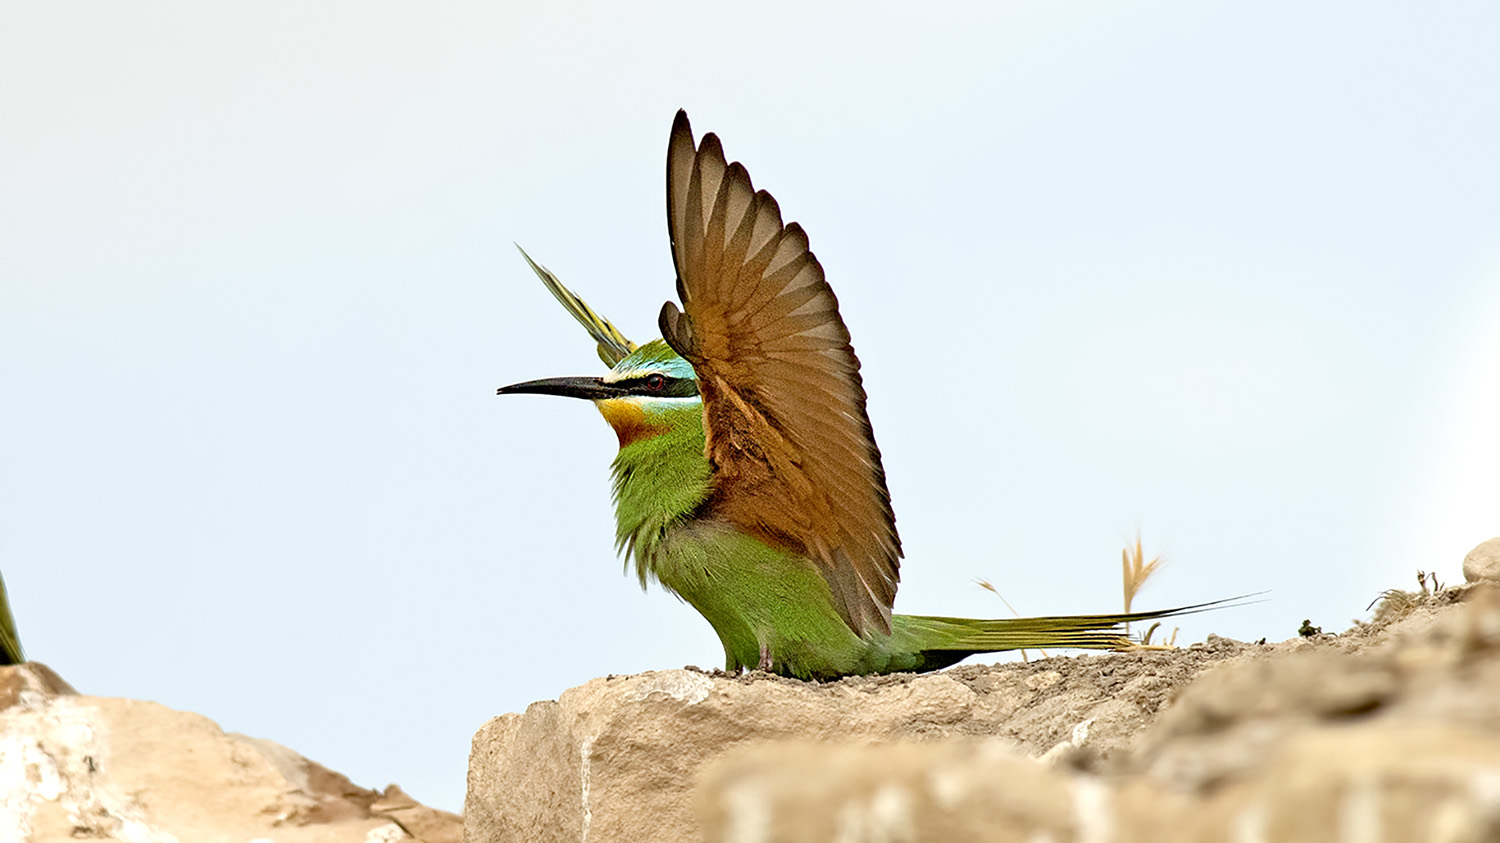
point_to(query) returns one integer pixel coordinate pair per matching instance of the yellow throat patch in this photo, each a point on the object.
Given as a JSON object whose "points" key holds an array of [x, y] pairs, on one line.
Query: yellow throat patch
{"points": [[628, 418]]}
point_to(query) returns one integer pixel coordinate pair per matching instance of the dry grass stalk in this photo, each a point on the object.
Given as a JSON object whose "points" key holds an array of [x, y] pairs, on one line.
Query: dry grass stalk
{"points": [[987, 586], [1134, 571]]}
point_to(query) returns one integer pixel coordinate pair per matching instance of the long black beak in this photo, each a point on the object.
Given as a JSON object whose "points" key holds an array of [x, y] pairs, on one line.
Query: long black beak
{"points": [[592, 389]]}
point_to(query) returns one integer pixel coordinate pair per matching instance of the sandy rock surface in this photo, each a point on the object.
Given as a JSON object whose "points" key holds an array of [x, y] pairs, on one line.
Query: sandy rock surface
{"points": [[75, 766], [618, 757], [1389, 732]]}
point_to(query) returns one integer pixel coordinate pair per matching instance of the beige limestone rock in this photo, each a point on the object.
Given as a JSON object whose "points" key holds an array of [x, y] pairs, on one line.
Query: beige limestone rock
{"points": [[1483, 562], [1387, 781], [1389, 735], [963, 789], [616, 759], [91, 767], [31, 683], [1371, 782], [427, 825], [1389, 732]]}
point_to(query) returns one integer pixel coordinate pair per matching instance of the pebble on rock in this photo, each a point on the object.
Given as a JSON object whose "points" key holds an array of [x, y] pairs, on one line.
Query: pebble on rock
{"points": [[1483, 562]]}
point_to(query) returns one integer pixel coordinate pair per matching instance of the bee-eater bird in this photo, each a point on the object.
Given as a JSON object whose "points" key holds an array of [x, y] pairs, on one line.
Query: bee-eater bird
{"points": [[748, 482]]}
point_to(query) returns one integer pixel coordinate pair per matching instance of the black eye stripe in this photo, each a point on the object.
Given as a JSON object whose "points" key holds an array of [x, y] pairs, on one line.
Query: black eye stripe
{"points": [[671, 388]]}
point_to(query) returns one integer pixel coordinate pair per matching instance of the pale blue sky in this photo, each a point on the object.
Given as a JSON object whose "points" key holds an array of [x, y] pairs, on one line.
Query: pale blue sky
{"points": [[1226, 272]]}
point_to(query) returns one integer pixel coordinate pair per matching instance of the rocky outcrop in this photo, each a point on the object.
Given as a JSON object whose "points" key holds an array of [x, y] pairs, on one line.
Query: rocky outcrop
{"points": [[76, 766], [31, 683], [617, 758], [1390, 732], [1374, 737]]}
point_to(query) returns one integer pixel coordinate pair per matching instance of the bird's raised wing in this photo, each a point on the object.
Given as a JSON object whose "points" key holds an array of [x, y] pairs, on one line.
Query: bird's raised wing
{"points": [[794, 459]]}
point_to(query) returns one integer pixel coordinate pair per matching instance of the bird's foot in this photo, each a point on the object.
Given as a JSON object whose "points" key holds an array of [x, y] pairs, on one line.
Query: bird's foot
{"points": [[765, 658]]}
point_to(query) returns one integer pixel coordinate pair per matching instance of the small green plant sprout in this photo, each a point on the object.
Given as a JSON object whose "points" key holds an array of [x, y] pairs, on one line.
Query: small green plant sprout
{"points": [[988, 586], [1169, 644], [1429, 582]]}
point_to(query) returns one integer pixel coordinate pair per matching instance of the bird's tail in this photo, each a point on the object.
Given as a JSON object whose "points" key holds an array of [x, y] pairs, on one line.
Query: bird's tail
{"points": [[944, 641]]}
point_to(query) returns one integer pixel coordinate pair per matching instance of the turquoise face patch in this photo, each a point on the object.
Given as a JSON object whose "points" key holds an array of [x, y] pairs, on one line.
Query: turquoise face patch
{"points": [[653, 357]]}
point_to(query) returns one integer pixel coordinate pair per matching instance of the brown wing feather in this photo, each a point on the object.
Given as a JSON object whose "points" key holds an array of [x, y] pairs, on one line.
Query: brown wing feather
{"points": [[793, 455]]}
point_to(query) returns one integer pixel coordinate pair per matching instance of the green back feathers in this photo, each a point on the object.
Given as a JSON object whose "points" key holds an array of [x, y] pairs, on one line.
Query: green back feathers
{"points": [[613, 346], [10, 644]]}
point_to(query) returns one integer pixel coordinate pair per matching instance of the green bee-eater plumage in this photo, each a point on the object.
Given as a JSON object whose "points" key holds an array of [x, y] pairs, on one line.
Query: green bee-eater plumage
{"points": [[748, 482], [10, 643]]}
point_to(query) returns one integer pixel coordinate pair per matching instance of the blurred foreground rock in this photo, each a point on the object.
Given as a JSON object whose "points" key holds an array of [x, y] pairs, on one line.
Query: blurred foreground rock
{"points": [[1377, 782], [1390, 732], [75, 767]]}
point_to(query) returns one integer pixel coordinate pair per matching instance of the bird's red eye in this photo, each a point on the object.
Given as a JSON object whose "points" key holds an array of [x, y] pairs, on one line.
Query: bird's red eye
{"points": [[655, 383]]}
